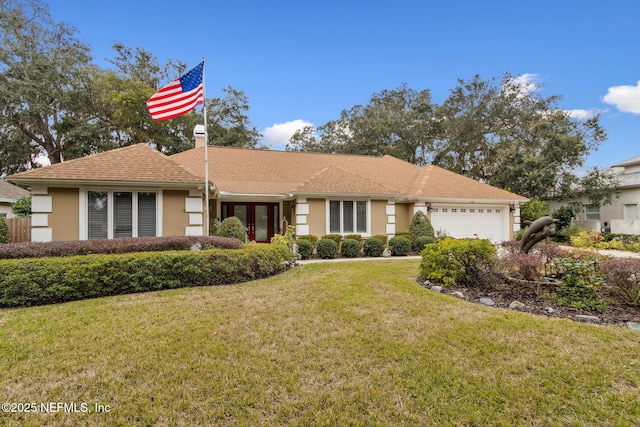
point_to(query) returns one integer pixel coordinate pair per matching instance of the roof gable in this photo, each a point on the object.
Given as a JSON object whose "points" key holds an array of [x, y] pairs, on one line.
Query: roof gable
{"points": [[10, 192], [137, 163], [336, 180]]}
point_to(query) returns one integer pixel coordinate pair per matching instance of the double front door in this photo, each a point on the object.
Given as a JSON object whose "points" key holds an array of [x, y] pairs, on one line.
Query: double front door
{"points": [[260, 219]]}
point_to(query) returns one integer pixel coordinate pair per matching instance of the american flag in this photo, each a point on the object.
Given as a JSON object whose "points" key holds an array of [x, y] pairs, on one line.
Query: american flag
{"points": [[178, 97]]}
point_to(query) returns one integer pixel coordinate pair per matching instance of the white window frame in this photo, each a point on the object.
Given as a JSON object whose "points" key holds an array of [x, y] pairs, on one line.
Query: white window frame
{"points": [[355, 220], [632, 209], [587, 213], [84, 210]]}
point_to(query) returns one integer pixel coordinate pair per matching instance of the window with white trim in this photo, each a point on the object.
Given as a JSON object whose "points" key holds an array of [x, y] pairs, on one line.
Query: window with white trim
{"points": [[592, 212], [348, 216], [631, 212], [118, 214]]}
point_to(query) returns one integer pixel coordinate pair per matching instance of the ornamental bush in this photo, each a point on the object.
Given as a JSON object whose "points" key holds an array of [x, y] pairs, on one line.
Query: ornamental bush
{"points": [[420, 226], [406, 234], [420, 242], [335, 237], [350, 248], [115, 246], [623, 279], [450, 261], [309, 237], [305, 248], [4, 231], [382, 237], [232, 227], [580, 284], [400, 246], [38, 281], [327, 248], [357, 237], [373, 247]]}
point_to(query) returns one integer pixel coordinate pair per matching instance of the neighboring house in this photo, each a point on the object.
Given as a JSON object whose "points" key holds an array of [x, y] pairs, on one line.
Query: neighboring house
{"points": [[137, 191], [9, 193], [622, 216]]}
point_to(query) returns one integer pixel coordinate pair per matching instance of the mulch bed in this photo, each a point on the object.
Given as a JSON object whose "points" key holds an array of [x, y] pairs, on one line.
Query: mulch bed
{"points": [[539, 302]]}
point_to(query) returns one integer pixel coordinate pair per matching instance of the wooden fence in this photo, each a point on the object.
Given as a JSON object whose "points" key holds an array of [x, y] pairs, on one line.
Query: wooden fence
{"points": [[19, 229]]}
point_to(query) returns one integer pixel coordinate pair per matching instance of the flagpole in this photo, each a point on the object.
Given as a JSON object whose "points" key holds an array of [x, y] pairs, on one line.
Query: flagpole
{"points": [[206, 154]]}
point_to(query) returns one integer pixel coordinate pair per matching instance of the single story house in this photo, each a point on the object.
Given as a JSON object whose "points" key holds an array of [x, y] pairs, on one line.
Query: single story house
{"points": [[137, 191], [9, 194], [622, 216]]}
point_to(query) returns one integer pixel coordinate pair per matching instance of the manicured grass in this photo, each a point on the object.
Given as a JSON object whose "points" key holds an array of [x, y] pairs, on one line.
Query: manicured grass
{"points": [[323, 344]]}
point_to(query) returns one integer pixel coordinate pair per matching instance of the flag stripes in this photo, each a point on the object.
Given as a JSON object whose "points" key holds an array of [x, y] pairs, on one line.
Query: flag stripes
{"points": [[178, 97]]}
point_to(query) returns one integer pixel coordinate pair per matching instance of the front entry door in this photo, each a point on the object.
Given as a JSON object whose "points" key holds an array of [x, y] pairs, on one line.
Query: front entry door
{"points": [[260, 219]]}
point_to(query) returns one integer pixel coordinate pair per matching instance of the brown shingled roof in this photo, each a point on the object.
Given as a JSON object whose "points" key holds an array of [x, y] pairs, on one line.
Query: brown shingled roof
{"points": [[132, 164], [267, 172], [11, 192], [247, 171]]}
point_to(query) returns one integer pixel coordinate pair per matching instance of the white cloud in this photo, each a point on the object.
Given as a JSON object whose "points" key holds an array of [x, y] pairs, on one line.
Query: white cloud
{"points": [[527, 82], [625, 98], [582, 114], [278, 135]]}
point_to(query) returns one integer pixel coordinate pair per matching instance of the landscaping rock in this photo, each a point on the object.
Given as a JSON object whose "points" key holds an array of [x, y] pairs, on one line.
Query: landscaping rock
{"points": [[549, 310], [426, 283], [588, 319], [633, 326], [437, 288], [457, 294], [516, 305], [487, 301]]}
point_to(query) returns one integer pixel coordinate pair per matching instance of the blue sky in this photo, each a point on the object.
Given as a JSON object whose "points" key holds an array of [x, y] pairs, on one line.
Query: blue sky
{"points": [[303, 62]]}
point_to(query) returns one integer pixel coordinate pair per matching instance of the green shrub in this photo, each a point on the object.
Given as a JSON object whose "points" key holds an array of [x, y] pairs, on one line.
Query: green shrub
{"points": [[373, 247], [357, 237], [327, 248], [420, 242], [335, 237], [232, 227], [305, 248], [38, 281], [382, 237], [420, 226], [580, 283], [286, 239], [4, 231], [350, 248], [450, 261], [532, 210], [586, 239], [22, 207], [309, 237], [400, 246], [115, 246], [405, 234], [564, 215]]}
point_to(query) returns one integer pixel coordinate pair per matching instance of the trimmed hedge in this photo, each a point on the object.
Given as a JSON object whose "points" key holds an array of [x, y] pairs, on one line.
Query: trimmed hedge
{"points": [[4, 231], [335, 237], [305, 248], [400, 246], [29, 282], [373, 247], [309, 237], [115, 246], [232, 227], [327, 248], [350, 248]]}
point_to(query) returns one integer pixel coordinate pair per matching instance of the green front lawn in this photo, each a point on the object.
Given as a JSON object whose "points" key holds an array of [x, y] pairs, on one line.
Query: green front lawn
{"points": [[324, 344]]}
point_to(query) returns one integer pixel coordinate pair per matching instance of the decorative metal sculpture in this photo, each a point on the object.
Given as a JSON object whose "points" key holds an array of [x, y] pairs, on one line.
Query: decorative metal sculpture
{"points": [[537, 231]]}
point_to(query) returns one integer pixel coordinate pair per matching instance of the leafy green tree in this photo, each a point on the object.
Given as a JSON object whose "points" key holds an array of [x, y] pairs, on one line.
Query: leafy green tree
{"points": [[46, 97], [22, 207], [228, 121], [502, 132], [397, 122], [532, 210]]}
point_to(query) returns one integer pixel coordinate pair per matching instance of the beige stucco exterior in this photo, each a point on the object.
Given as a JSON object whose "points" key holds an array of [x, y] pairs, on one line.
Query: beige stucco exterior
{"points": [[65, 213], [378, 217], [174, 216], [317, 217], [404, 214]]}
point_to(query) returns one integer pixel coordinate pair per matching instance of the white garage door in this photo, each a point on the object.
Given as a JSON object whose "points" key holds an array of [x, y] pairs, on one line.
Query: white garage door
{"points": [[470, 221]]}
